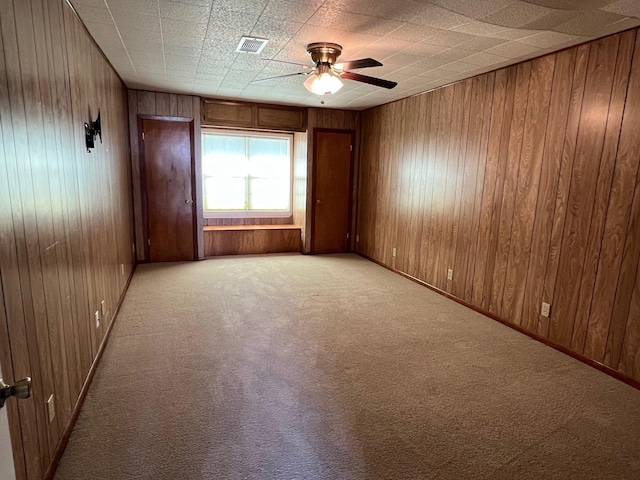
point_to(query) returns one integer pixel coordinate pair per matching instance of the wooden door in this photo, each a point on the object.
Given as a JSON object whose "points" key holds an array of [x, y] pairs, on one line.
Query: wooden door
{"points": [[6, 455], [333, 166], [167, 151]]}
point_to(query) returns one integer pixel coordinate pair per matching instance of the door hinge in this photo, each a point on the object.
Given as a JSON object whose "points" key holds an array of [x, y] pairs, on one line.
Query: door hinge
{"points": [[351, 148], [149, 241], [347, 235], [143, 136]]}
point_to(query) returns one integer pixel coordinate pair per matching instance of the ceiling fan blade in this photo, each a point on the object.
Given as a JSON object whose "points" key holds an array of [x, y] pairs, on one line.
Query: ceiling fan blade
{"points": [[280, 76], [354, 64], [304, 65], [378, 82]]}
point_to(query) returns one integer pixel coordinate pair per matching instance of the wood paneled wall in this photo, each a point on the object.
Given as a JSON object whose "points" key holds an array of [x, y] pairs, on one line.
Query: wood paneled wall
{"points": [[163, 105], [328, 118], [66, 227], [251, 240], [524, 182]]}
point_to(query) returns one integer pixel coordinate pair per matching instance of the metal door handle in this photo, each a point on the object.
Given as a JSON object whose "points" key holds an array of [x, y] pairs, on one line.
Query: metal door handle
{"points": [[20, 389], [188, 201], [318, 202]]}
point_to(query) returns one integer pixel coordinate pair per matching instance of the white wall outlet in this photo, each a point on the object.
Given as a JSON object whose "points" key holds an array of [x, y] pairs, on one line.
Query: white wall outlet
{"points": [[394, 252], [51, 407], [122, 269], [357, 238], [97, 319], [545, 309], [450, 274]]}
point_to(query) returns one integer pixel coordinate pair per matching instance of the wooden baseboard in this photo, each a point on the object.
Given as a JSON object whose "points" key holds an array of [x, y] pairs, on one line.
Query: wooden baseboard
{"points": [[561, 348], [64, 439]]}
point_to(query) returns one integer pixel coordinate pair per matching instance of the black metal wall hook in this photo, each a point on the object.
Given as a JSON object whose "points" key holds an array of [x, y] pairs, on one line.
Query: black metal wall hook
{"points": [[90, 132]]}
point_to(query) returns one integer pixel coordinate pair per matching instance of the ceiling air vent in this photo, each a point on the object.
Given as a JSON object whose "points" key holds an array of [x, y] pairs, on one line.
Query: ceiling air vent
{"points": [[251, 45]]}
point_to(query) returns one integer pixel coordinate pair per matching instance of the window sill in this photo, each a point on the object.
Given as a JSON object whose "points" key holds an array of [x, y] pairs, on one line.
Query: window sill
{"points": [[214, 228]]}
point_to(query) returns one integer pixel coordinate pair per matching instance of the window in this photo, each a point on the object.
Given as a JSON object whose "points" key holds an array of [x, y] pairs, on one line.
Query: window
{"points": [[246, 174]]}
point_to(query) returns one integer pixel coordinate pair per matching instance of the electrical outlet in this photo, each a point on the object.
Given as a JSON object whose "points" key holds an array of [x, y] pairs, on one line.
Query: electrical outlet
{"points": [[51, 407], [450, 274], [97, 319], [394, 252], [545, 309], [122, 269]]}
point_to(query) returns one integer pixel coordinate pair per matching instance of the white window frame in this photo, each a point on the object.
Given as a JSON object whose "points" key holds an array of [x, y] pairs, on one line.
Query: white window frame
{"points": [[251, 213]]}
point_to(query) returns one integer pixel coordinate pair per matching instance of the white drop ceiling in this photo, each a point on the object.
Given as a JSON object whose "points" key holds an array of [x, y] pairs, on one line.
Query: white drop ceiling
{"points": [[189, 46]]}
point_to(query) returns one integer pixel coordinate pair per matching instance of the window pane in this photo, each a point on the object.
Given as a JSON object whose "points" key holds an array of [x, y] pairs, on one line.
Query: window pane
{"points": [[269, 194], [235, 166], [224, 156], [225, 193], [269, 157]]}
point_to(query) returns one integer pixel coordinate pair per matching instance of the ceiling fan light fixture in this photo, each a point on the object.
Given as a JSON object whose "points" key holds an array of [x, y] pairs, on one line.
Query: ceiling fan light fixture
{"points": [[323, 84]]}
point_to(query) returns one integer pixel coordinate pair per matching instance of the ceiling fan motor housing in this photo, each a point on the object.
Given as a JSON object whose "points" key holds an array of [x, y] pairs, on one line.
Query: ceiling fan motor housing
{"points": [[324, 52]]}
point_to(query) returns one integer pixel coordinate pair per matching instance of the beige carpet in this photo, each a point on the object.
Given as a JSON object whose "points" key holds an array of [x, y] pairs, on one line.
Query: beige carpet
{"points": [[331, 367]]}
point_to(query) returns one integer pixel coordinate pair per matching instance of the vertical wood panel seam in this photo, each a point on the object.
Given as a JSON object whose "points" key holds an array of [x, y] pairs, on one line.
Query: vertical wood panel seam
{"points": [[633, 53], [588, 231]]}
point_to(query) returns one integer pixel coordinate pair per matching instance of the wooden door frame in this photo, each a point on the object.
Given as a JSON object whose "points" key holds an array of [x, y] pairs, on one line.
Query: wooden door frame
{"points": [[143, 181], [312, 223]]}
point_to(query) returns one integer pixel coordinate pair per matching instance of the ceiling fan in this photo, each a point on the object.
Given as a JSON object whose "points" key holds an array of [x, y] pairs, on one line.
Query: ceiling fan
{"points": [[326, 73]]}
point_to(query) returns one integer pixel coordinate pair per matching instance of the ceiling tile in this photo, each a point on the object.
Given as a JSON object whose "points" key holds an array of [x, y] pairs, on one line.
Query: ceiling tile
{"points": [[90, 3], [513, 50], [475, 9], [495, 31], [460, 67], [425, 49], [104, 34], [184, 71], [399, 11], [292, 10], [517, 14], [549, 39], [438, 17], [183, 41], [448, 38], [629, 8], [187, 61], [411, 32], [137, 21], [329, 18], [146, 38], [272, 28], [183, 11], [551, 20], [479, 44], [624, 24], [483, 59], [588, 22], [94, 14], [146, 7], [453, 54], [247, 6], [181, 27]]}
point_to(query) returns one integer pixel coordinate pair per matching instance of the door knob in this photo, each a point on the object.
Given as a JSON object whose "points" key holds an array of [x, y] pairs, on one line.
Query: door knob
{"points": [[20, 389], [318, 202], [188, 201]]}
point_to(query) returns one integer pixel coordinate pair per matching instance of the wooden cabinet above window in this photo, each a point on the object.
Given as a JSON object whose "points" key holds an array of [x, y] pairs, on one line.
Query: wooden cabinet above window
{"points": [[260, 116]]}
